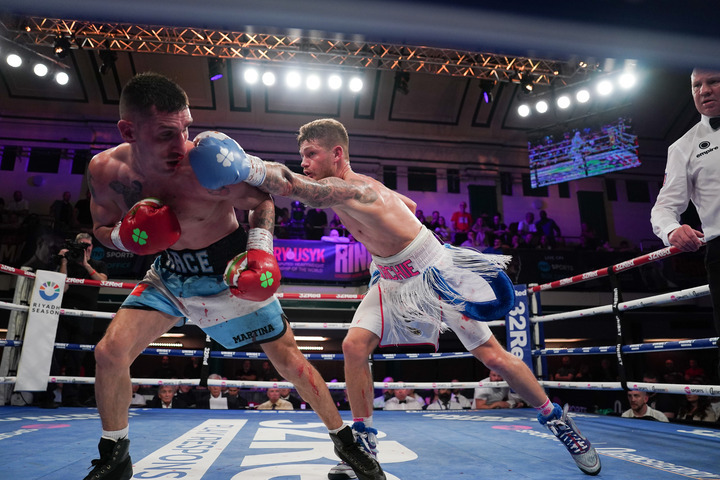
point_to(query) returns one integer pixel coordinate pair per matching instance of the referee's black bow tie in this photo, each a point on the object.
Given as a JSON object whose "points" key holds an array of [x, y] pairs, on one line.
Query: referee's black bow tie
{"points": [[715, 123]]}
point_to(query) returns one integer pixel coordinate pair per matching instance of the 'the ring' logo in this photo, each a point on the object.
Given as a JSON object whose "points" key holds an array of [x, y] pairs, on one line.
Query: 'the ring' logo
{"points": [[704, 145], [49, 291]]}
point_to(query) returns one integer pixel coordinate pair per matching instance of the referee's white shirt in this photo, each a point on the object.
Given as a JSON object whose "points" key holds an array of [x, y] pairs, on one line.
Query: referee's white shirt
{"points": [[692, 173]]}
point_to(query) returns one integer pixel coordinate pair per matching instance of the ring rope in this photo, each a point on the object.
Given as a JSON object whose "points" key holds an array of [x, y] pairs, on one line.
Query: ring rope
{"points": [[603, 272], [662, 299]]}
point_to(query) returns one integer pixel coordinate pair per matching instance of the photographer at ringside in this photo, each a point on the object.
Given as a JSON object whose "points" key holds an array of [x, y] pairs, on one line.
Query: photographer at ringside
{"points": [[74, 261]]}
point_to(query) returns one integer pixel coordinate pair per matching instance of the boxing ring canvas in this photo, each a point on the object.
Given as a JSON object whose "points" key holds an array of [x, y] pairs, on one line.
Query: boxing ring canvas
{"points": [[264, 445]]}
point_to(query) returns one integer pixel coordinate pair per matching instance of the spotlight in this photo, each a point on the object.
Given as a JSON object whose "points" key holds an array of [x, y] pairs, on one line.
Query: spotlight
{"points": [[14, 60], [486, 87], [563, 102], [61, 47], [62, 78], [582, 96], [293, 79], [215, 68], [356, 84], [312, 82], [541, 106], [604, 87], [40, 69], [268, 79], [335, 82], [251, 76], [526, 83], [108, 59], [627, 80], [523, 110], [402, 81]]}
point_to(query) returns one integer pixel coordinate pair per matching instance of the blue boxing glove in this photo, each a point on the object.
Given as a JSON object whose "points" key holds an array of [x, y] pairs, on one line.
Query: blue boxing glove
{"points": [[218, 161]]}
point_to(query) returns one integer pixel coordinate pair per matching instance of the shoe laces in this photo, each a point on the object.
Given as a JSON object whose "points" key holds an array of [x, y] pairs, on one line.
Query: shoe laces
{"points": [[572, 439]]}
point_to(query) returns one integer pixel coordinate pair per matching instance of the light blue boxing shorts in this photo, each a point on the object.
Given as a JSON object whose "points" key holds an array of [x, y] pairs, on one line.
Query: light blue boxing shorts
{"points": [[189, 284]]}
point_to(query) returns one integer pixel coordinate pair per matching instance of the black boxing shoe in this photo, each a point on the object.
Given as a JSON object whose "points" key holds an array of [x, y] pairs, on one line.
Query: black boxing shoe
{"points": [[114, 462], [365, 466]]}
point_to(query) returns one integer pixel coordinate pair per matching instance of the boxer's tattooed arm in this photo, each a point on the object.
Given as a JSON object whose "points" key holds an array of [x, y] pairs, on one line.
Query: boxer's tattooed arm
{"points": [[131, 194], [324, 193], [263, 216], [90, 181]]}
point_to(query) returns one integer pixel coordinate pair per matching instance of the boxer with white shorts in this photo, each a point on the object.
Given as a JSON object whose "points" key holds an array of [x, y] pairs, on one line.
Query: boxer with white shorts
{"points": [[421, 282]]}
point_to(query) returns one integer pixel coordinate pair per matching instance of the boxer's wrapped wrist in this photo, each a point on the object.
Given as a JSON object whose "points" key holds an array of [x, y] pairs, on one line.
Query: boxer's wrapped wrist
{"points": [[115, 238], [257, 173], [260, 239]]}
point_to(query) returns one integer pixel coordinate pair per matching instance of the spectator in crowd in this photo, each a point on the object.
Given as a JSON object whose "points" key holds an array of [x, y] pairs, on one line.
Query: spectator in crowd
{"points": [[670, 373], [432, 224], [461, 398], [588, 237], [480, 229], [694, 370], [343, 403], [442, 231], [667, 404], [334, 237], [444, 399], [83, 218], [62, 212], [247, 372], [45, 256], [274, 402], [420, 215], [165, 370], [639, 407], [402, 401], [282, 220], [517, 242], [187, 393], [138, 400], [460, 223], [566, 372], [166, 398], [696, 408], [215, 400], [487, 398], [387, 394], [606, 372], [193, 368], [498, 228], [547, 226], [296, 226], [18, 206], [287, 395], [527, 225], [470, 241], [267, 372], [545, 243], [315, 223]]}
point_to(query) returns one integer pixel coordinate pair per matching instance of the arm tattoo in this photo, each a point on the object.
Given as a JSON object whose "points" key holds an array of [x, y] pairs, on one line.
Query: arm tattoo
{"points": [[91, 187], [263, 216], [325, 193], [131, 194]]}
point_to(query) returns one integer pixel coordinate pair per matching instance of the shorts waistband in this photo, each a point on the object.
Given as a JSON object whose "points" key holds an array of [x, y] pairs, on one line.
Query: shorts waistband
{"points": [[210, 260], [423, 252]]}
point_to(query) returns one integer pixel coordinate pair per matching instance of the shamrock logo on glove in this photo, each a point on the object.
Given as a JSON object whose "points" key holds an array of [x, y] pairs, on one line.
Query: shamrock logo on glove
{"points": [[139, 236], [266, 280], [224, 157]]}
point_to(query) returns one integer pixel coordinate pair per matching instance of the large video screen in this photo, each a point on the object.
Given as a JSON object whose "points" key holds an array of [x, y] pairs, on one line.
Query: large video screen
{"points": [[569, 155]]}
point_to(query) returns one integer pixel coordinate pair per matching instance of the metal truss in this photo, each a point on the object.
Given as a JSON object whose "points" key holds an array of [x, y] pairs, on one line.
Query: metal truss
{"points": [[318, 52]]}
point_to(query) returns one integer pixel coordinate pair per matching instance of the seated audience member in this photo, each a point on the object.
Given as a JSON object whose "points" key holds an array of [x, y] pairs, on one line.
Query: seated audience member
{"points": [[334, 237], [566, 372], [287, 394], [274, 402], [188, 394], [165, 398], [215, 400], [670, 374], [694, 370], [137, 400], [640, 409], [387, 394], [527, 225], [462, 399], [444, 400], [402, 401], [667, 403], [442, 231], [496, 397], [412, 393], [696, 408]]}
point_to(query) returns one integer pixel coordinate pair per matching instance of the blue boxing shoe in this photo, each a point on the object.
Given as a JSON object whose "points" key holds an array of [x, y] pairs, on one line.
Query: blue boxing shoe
{"points": [[564, 428]]}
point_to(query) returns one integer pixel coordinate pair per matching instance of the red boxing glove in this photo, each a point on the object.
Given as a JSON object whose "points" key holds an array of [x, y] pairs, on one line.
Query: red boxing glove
{"points": [[253, 275], [148, 227]]}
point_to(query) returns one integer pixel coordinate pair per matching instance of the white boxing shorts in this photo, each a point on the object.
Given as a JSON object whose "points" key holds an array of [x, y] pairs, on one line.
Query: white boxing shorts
{"points": [[403, 306]]}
